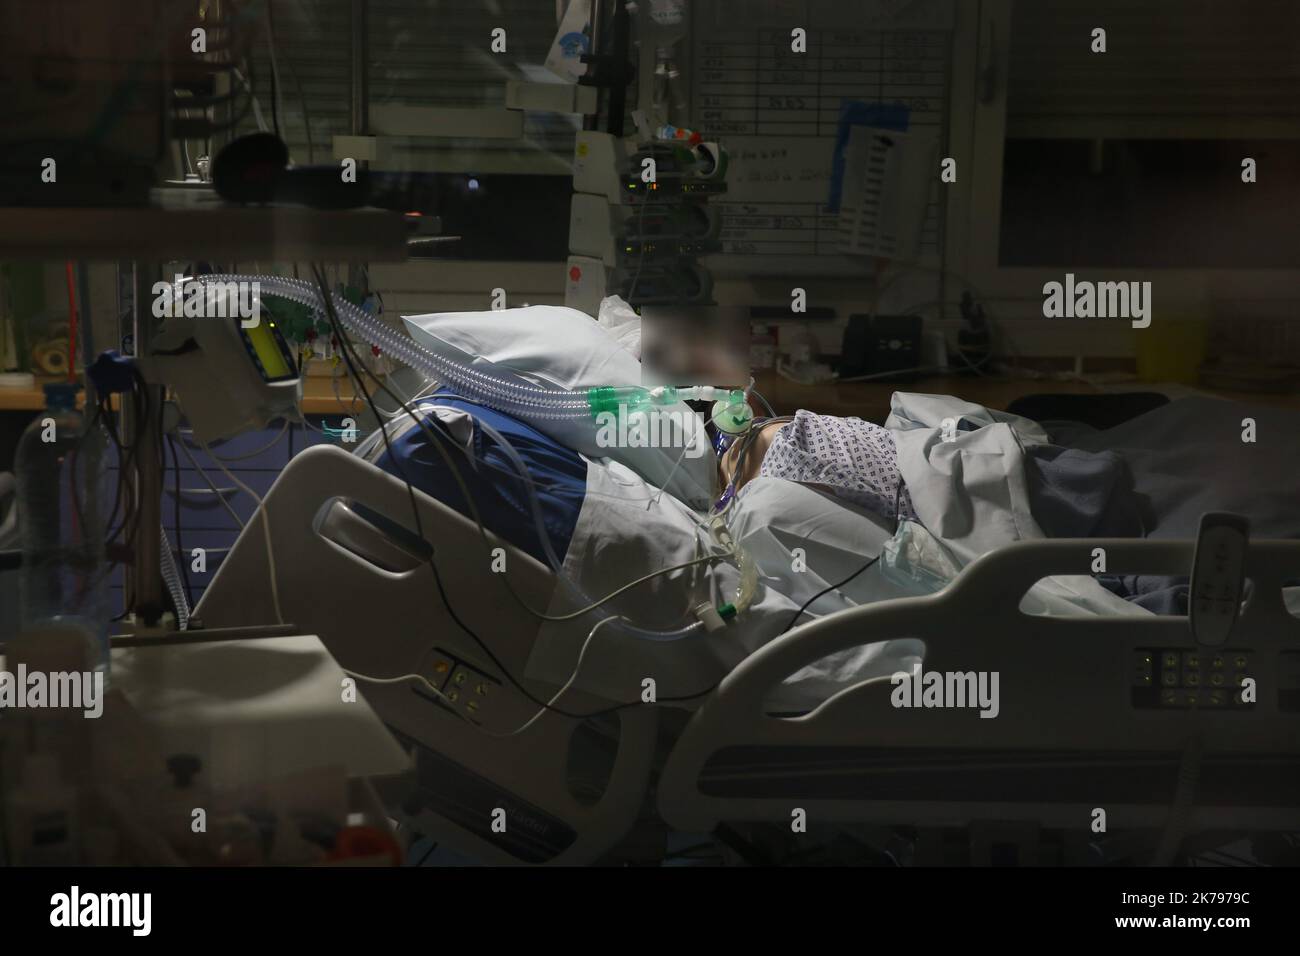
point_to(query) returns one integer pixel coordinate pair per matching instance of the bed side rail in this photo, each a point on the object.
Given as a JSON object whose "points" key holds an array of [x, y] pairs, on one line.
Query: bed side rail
{"points": [[1068, 723], [366, 590]]}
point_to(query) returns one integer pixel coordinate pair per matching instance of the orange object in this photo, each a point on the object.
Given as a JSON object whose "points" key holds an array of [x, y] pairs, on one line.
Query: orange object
{"points": [[355, 842]]}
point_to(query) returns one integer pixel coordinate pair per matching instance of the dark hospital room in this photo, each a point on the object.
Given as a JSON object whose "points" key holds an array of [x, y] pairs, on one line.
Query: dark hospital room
{"points": [[650, 435]]}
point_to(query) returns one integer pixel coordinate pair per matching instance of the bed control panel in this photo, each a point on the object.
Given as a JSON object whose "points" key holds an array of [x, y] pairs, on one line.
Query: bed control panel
{"points": [[462, 687], [1217, 577], [1179, 678]]}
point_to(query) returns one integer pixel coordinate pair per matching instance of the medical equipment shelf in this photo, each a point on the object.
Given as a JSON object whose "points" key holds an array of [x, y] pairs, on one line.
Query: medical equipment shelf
{"points": [[235, 233]]}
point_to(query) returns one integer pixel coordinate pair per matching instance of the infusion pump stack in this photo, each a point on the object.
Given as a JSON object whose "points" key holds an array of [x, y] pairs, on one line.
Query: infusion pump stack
{"points": [[641, 219]]}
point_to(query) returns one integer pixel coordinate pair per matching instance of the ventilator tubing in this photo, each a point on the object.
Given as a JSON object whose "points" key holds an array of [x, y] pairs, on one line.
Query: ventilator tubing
{"points": [[521, 399], [513, 397]]}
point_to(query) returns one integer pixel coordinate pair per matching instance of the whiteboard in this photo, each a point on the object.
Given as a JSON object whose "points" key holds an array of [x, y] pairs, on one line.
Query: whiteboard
{"points": [[776, 112]]}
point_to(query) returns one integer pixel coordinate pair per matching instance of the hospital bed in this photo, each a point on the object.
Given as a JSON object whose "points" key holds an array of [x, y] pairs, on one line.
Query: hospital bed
{"points": [[1082, 724]]}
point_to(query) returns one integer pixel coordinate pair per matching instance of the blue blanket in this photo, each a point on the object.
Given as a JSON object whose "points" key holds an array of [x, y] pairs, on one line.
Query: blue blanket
{"points": [[559, 474]]}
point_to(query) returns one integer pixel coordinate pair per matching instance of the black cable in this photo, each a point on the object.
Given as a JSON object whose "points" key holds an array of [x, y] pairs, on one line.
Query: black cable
{"points": [[898, 492], [827, 590], [270, 43], [306, 127], [131, 516], [345, 348], [176, 514], [231, 124], [111, 429]]}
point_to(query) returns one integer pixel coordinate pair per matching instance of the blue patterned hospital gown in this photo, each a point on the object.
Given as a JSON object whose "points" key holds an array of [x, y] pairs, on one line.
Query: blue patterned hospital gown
{"points": [[855, 459]]}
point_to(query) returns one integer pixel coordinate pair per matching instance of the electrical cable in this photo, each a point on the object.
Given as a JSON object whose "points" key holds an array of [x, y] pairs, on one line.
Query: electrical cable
{"points": [[266, 527], [898, 492], [437, 439], [1189, 773], [346, 351], [176, 516], [110, 535], [275, 69], [522, 472], [306, 114], [125, 489], [640, 261], [258, 118], [368, 446], [542, 711], [131, 466], [207, 480], [253, 454]]}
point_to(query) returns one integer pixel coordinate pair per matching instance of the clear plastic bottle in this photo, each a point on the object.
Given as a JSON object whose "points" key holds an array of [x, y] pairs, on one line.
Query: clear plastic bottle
{"points": [[61, 498]]}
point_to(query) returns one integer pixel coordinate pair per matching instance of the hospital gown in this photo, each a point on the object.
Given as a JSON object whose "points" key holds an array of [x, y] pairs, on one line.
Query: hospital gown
{"points": [[856, 460]]}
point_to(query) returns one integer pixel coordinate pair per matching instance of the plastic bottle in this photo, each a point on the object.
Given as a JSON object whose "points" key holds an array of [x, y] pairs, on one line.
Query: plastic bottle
{"points": [[61, 495]]}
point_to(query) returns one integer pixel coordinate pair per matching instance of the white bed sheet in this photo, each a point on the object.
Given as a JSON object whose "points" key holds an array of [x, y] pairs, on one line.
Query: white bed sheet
{"points": [[803, 541]]}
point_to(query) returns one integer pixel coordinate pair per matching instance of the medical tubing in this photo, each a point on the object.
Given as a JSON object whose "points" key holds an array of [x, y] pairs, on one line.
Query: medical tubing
{"points": [[748, 583], [171, 577], [544, 534], [516, 398], [513, 397]]}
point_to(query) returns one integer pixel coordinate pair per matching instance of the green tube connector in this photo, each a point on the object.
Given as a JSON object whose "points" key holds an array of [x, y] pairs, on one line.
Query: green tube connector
{"points": [[612, 398], [633, 398]]}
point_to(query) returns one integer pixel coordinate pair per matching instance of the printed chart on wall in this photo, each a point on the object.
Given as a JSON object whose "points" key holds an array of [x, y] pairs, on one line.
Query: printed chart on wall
{"points": [[778, 112]]}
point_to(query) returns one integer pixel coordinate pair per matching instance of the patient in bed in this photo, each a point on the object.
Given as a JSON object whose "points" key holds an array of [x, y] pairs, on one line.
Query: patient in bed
{"points": [[849, 458]]}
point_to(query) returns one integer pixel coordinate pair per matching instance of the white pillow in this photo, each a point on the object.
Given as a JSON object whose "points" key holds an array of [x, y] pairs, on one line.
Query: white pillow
{"points": [[555, 346], [622, 322]]}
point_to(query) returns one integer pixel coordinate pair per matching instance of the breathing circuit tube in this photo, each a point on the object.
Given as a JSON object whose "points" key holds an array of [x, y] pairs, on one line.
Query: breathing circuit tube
{"points": [[515, 398], [523, 400]]}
